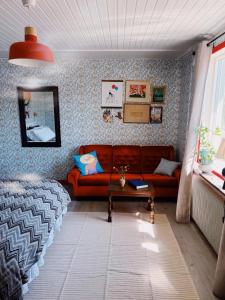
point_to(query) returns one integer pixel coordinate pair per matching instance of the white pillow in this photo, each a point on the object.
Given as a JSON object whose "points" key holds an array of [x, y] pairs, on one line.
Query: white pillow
{"points": [[32, 136], [166, 167], [43, 133]]}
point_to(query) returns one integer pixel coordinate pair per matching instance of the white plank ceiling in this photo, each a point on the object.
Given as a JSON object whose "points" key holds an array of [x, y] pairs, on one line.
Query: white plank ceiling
{"points": [[118, 25]]}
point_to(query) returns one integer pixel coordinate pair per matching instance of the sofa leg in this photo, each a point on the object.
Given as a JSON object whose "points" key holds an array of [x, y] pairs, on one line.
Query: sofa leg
{"points": [[110, 209]]}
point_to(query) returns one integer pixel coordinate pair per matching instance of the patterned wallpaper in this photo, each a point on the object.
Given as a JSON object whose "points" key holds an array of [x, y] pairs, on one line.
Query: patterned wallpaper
{"points": [[79, 82]]}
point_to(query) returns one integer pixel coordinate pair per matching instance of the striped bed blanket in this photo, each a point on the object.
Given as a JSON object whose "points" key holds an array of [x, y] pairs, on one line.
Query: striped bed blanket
{"points": [[28, 213]]}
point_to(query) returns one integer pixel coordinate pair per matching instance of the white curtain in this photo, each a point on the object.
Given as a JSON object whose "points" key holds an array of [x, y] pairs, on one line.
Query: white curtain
{"points": [[203, 54]]}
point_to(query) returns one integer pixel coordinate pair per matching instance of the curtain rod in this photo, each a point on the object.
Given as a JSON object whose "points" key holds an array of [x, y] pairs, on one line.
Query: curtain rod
{"points": [[216, 38]]}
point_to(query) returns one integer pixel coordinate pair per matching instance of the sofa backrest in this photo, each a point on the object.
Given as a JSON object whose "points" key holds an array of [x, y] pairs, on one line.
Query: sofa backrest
{"points": [[143, 159], [104, 154], [127, 155], [151, 156]]}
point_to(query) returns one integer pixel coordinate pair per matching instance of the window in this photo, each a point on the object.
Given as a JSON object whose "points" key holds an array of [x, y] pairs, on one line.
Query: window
{"points": [[218, 113], [213, 112]]}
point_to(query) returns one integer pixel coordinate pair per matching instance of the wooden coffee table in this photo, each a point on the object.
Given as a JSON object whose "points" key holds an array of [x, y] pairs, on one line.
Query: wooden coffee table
{"points": [[128, 191]]}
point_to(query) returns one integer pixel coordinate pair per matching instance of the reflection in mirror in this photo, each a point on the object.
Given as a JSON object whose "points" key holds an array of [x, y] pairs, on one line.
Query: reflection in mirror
{"points": [[39, 116], [39, 112]]}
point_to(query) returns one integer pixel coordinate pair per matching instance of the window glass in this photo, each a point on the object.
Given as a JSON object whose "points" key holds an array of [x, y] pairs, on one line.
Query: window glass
{"points": [[213, 113]]}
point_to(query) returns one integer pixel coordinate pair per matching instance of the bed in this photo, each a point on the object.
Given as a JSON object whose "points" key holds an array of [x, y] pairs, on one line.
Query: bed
{"points": [[30, 212]]}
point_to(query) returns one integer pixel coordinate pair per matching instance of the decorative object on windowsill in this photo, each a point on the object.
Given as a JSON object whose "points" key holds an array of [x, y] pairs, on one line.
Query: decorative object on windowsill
{"points": [[220, 154], [158, 94], [138, 91], [107, 117], [223, 173], [205, 151], [122, 170], [112, 93], [30, 53], [218, 174], [156, 114]]}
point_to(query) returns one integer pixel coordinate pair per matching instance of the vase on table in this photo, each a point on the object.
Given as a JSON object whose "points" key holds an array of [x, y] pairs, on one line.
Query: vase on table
{"points": [[122, 181]]}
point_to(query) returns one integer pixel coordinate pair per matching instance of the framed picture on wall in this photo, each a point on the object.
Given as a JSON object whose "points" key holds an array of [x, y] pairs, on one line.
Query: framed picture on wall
{"points": [[138, 91], [136, 113], [112, 93], [158, 94], [156, 114]]}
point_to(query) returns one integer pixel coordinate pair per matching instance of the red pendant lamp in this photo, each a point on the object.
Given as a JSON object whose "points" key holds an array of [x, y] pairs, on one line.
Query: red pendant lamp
{"points": [[30, 53]]}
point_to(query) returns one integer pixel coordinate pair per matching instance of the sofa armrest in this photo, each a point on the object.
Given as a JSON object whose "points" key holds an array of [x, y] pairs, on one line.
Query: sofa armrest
{"points": [[72, 177], [177, 173]]}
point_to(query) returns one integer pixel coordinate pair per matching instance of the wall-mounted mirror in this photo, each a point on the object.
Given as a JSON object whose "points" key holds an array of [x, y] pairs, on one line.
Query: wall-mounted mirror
{"points": [[39, 116]]}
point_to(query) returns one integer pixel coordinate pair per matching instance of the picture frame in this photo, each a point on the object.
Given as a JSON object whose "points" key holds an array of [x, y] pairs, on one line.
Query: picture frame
{"points": [[158, 94], [156, 114], [112, 94], [138, 91], [136, 113]]}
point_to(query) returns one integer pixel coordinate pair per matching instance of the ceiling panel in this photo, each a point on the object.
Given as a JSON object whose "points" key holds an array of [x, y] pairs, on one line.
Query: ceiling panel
{"points": [[133, 25]]}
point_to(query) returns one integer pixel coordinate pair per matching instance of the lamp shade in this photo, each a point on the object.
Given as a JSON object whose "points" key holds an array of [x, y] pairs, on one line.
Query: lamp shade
{"points": [[221, 150], [30, 53]]}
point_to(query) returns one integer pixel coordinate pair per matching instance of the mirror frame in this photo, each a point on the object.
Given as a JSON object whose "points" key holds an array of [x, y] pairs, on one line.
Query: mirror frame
{"points": [[25, 142]]}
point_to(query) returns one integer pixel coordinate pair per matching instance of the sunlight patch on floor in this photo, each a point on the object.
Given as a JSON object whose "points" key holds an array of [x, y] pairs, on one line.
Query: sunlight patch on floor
{"points": [[151, 247], [146, 228]]}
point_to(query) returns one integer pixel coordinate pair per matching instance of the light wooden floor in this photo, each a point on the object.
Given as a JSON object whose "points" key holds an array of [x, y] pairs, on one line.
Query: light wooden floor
{"points": [[199, 256]]}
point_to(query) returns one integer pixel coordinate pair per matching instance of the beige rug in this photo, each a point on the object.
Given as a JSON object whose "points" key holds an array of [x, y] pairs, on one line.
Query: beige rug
{"points": [[129, 258]]}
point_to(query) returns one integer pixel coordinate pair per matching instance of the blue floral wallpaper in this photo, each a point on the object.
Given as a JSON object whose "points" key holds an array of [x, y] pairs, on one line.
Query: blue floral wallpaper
{"points": [[79, 82]]}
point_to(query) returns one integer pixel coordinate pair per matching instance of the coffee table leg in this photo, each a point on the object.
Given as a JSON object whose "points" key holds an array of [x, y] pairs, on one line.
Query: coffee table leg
{"points": [[110, 209], [149, 204], [152, 210]]}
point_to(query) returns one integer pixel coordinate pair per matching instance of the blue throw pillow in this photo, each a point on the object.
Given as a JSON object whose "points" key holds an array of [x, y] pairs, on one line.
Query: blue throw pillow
{"points": [[88, 163]]}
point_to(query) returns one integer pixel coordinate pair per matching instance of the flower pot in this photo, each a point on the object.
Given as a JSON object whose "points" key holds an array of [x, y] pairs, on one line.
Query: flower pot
{"points": [[206, 168], [122, 182]]}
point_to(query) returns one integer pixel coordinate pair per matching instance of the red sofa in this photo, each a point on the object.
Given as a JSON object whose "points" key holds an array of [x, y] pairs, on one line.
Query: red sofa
{"points": [[142, 162]]}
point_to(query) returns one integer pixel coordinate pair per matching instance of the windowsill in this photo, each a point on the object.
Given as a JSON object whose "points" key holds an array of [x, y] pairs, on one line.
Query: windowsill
{"points": [[213, 180], [218, 165]]}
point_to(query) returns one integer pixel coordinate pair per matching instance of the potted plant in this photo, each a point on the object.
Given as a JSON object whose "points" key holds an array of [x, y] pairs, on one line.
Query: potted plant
{"points": [[206, 151]]}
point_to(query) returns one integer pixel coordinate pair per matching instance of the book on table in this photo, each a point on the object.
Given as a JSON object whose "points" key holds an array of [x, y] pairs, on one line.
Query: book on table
{"points": [[138, 184]]}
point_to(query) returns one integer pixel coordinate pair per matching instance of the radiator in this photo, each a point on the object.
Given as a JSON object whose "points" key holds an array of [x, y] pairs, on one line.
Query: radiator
{"points": [[207, 210]]}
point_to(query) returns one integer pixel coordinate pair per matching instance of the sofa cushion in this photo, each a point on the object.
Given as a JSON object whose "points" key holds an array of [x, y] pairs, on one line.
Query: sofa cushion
{"points": [[160, 180], [127, 155], [166, 167], [88, 163], [104, 154], [94, 180], [128, 176], [151, 156]]}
